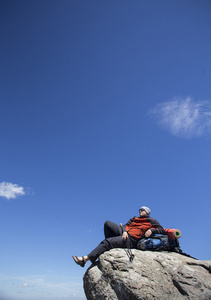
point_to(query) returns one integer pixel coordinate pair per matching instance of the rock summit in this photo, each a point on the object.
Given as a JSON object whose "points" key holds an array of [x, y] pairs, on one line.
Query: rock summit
{"points": [[151, 275]]}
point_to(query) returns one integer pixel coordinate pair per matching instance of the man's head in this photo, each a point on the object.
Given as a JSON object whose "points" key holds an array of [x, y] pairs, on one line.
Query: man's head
{"points": [[144, 211]]}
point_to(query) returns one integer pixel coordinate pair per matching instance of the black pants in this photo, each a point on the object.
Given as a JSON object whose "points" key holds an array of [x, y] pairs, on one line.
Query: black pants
{"points": [[113, 239], [111, 229]]}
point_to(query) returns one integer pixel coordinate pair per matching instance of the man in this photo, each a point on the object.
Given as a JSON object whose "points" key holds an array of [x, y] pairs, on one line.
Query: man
{"points": [[121, 236]]}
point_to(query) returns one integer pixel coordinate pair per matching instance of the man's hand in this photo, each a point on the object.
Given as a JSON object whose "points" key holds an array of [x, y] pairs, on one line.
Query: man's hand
{"points": [[124, 236], [148, 233]]}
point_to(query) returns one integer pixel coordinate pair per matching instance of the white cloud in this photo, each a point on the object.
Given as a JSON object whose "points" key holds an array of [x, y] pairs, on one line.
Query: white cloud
{"points": [[10, 191], [184, 117]]}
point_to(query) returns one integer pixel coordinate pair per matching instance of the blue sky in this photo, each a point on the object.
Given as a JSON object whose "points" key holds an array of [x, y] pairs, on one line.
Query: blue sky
{"points": [[105, 107]]}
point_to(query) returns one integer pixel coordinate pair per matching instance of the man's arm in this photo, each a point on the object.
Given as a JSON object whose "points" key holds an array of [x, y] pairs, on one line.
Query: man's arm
{"points": [[157, 227], [125, 234], [130, 221]]}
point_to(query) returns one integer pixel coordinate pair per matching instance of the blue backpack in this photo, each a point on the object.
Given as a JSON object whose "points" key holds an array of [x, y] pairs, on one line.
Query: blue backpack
{"points": [[158, 242]]}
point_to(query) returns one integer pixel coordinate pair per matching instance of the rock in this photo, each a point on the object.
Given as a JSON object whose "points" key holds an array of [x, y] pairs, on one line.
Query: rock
{"points": [[151, 275]]}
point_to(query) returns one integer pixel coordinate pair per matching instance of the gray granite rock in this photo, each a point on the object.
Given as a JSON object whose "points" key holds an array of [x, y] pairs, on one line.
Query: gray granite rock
{"points": [[151, 275]]}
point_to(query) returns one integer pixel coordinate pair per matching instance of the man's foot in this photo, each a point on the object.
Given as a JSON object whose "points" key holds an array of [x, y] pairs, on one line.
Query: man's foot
{"points": [[79, 261]]}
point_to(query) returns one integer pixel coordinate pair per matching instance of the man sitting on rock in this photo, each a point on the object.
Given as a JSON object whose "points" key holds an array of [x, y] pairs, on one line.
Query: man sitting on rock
{"points": [[124, 236]]}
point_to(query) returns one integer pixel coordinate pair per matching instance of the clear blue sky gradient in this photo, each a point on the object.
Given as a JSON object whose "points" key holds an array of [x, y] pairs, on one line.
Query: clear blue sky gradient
{"points": [[105, 107]]}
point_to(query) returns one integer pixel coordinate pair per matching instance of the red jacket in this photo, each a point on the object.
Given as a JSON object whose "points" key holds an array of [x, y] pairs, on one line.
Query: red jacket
{"points": [[137, 226]]}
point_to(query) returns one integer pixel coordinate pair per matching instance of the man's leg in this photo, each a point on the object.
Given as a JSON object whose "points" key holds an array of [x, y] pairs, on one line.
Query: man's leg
{"points": [[111, 229], [105, 245]]}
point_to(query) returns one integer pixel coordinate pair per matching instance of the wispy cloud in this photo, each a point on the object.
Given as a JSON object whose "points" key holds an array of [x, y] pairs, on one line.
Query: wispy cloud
{"points": [[184, 117], [10, 191], [26, 285], [49, 285]]}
